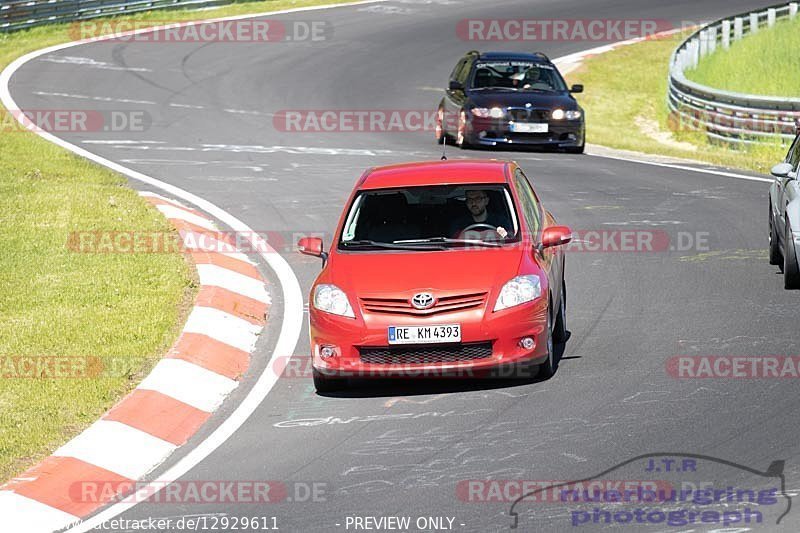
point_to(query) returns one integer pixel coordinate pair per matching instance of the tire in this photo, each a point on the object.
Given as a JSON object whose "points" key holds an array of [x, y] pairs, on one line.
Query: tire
{"points": [[791, 272], [775, 257], [560, 326], [325, 383], [548, 367]]}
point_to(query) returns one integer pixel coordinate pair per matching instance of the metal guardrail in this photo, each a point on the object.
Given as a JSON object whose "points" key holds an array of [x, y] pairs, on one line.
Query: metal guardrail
{"points": [[724, 115], [19, 15]]}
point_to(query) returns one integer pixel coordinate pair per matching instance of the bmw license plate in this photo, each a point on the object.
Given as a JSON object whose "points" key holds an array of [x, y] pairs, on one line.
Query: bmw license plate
{"points": [[424, 334], [525, 127]]}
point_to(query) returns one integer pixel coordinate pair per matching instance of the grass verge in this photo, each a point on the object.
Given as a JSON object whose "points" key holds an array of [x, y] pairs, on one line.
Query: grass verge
{"points": [[626, 108], [762, 63], [121, 309]]}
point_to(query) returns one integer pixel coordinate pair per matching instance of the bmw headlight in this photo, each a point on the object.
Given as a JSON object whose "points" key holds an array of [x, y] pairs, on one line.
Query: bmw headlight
{"points": [[560, 114], [331, 299], [518, 291]]}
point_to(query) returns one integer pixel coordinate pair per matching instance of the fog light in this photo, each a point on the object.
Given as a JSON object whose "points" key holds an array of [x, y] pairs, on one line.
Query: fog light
{"points": [[527, 343], [327, 351]]}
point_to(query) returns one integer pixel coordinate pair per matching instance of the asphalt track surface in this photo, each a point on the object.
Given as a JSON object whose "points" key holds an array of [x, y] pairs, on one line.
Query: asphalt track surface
{"points": [[611, 399]]}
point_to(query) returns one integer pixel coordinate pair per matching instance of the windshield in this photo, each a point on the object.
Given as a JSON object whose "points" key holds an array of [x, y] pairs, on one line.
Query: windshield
{"points": [[517, 76], [431, 217]]}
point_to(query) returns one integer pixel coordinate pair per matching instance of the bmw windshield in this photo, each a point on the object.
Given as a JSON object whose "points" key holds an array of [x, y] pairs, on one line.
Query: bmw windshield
{"points": [[431, 217], [517, 76]]}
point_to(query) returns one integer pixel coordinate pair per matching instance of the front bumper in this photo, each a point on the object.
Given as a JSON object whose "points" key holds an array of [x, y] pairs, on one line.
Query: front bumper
{"points": [[494, 132], [503, 330]]}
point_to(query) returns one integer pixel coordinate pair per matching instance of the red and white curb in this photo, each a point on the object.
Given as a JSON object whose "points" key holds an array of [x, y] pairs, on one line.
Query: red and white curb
{"points": [[167, 407]]}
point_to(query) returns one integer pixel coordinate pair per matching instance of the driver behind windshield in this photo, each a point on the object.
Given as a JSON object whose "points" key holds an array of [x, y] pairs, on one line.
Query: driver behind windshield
{"points": [[479, 216]]}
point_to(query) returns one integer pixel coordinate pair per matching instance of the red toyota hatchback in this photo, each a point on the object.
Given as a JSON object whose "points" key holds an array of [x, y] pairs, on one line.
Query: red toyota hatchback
{"points": [[445, 268]]}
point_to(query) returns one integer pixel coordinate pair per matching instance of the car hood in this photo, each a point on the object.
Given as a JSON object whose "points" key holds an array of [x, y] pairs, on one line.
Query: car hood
{"points": [[502, 98], [405, 273]]}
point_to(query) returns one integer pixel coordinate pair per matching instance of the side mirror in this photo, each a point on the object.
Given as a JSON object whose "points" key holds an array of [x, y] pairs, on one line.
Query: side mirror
{"points": [[781, 170], [311, 246], [556, 236], [577, 88], [456, 85]]}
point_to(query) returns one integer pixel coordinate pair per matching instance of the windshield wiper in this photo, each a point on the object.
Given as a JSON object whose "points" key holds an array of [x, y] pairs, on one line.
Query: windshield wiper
{"points": [[395, 245], [445, 240], [494, 89]]}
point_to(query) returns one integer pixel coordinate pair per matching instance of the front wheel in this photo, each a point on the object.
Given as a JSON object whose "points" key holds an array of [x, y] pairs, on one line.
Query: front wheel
{"points": [[548, 367], [775, 257], [791, 272], [560, 329]]}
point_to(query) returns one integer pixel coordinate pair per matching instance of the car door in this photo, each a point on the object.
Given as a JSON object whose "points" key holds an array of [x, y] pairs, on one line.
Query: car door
{"points": [[787, 188], [791, 187]]}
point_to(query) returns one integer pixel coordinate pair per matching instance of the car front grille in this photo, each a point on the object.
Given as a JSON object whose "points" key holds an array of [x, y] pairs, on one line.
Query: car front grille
{"points": [[524, 114], [410, 355], [443, 304]]}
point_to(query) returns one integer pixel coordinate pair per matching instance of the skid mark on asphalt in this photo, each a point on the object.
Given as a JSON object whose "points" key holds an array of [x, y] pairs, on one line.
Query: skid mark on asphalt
{"points": [[727, 255], [92, 63], [95, 98]]}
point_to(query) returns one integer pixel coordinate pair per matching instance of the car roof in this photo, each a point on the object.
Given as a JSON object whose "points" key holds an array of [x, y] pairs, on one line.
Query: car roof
{"points": [[514, 56], [462, 171]]}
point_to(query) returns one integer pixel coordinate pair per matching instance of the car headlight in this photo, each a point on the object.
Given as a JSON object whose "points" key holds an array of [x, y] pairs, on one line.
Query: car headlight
{"points": [[560, 114], [518, 291], [485, 112], [331, 299]]}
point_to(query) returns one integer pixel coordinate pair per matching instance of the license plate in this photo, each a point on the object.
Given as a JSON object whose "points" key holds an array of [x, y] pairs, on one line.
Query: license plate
{"points": [[424, 334], [524, 127]]}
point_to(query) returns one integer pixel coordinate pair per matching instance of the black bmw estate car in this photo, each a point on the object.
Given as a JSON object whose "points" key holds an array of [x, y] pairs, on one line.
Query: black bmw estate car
{"points": [[508, 98]]}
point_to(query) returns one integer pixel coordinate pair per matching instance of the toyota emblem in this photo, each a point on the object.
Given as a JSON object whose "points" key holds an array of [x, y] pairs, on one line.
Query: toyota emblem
{"points": [[422, 300]]}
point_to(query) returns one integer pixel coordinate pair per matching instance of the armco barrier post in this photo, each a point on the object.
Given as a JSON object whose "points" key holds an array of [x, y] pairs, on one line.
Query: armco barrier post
{"points": [[726, 34], [771, 17], [703, 43], [792, 10], [712, 40], [738, 28], [753, 22]]}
